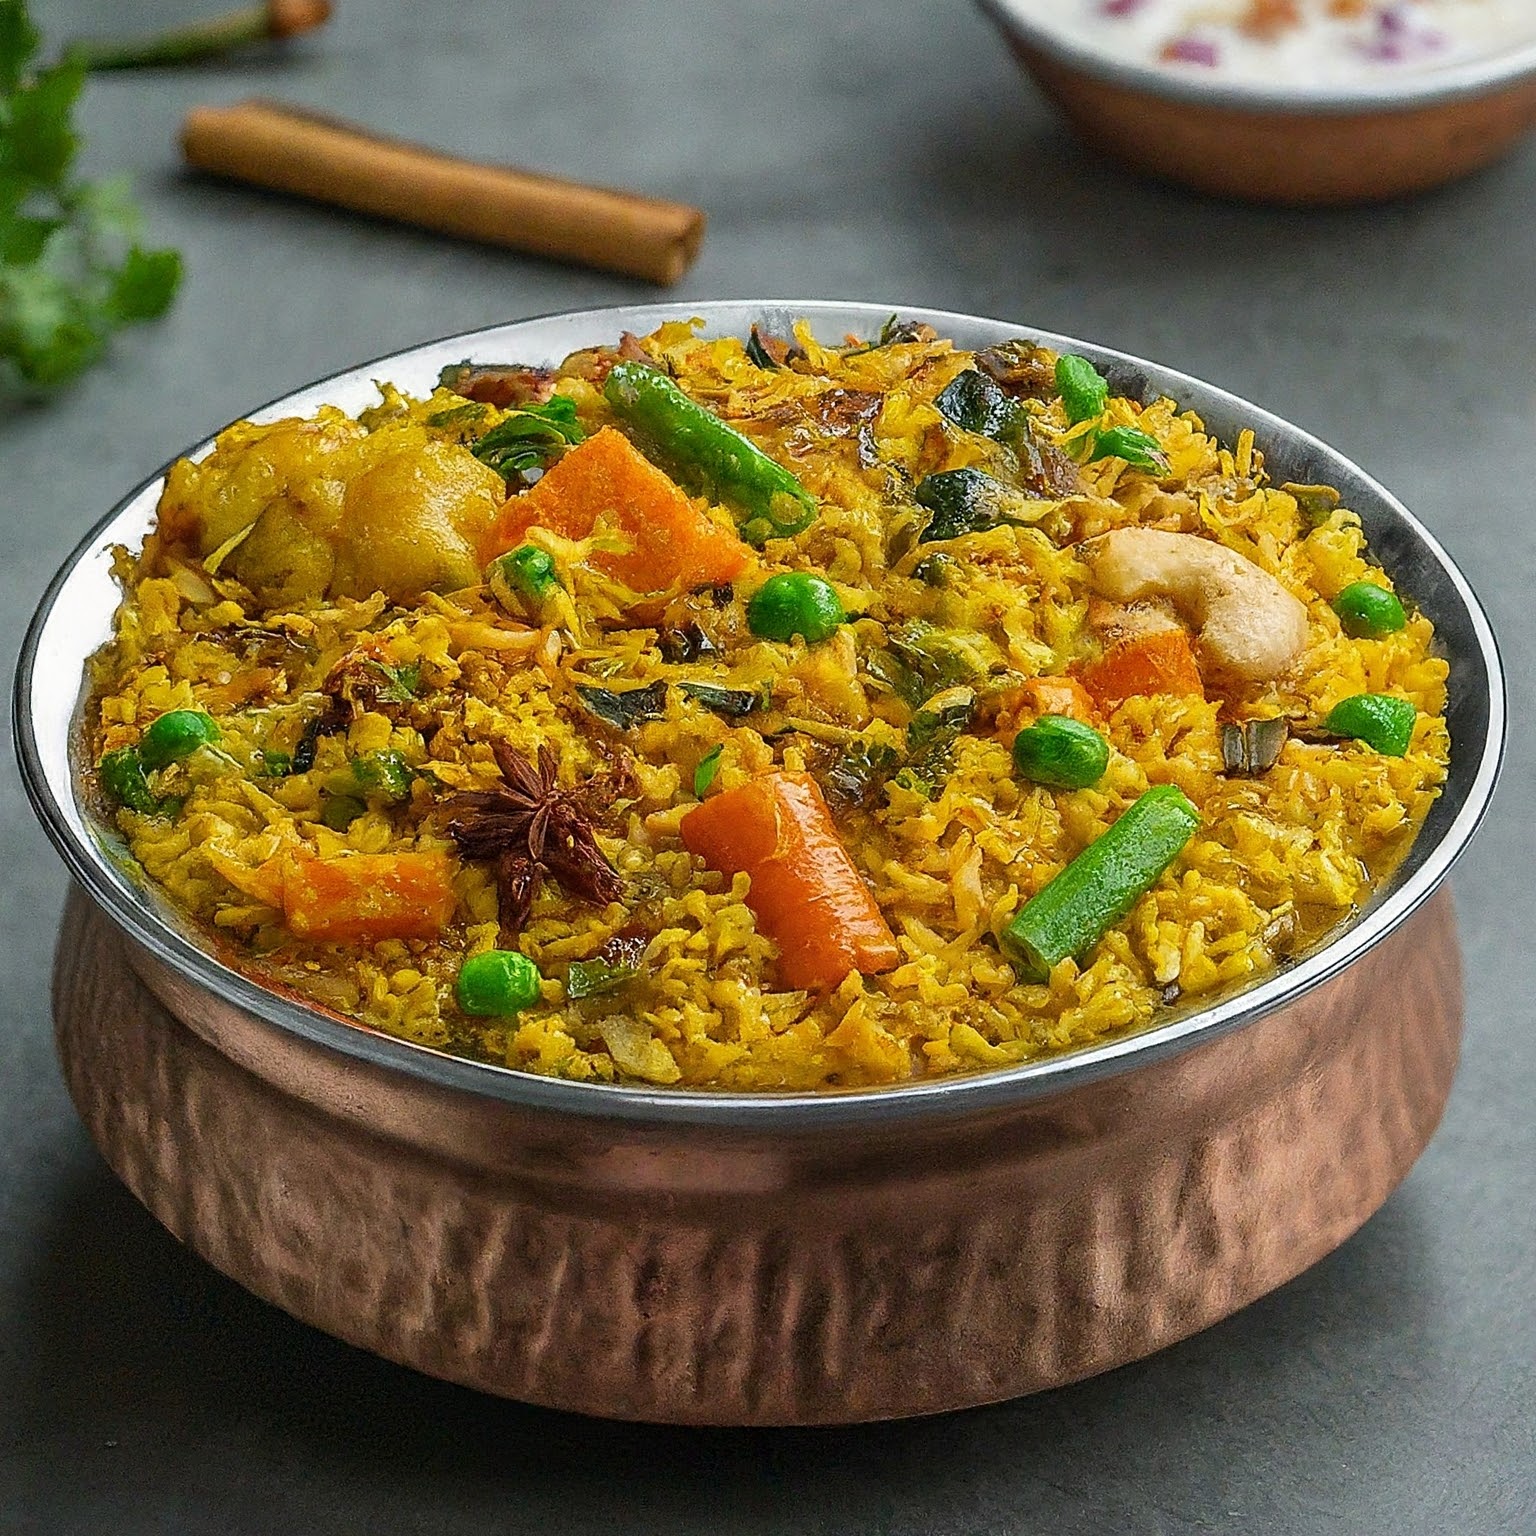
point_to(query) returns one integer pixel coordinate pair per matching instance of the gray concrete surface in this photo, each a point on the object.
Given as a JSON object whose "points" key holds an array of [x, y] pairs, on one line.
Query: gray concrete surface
{"points": [[860, 151]]}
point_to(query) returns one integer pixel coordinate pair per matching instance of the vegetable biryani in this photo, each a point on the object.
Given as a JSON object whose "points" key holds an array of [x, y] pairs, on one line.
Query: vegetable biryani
{"points": [[755, 712]]}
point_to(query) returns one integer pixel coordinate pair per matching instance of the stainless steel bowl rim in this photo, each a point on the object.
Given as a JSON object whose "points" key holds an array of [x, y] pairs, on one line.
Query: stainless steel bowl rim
{"points": [[1405, 92], [43, 746]]}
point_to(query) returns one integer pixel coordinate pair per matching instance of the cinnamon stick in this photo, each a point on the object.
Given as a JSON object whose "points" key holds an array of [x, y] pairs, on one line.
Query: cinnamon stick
{"points": [[290, 149]]}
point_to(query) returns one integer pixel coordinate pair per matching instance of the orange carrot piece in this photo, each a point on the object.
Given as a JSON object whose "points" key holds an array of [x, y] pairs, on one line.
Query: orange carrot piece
{"points": [[675, 543], [364, 897], [1016, 707], [1160, 662], [1060, 696], [806, 893]]}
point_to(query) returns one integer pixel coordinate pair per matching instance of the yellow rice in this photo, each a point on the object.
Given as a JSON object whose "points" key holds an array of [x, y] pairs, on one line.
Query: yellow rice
{"points": [[1278, 860]]}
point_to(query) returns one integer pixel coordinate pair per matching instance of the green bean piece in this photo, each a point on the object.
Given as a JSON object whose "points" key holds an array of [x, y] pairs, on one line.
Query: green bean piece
{"points": [[1102, 883], [1062, 752], [1367, 611], [795, 603], [773, 503], [498, 983], [122, 776], [176, 734], [1083, 389], [1378, 719], [1137, 448]]}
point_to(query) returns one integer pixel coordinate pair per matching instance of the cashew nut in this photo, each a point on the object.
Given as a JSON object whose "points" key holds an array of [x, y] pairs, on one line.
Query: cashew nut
{"points": [[1248, 625]]}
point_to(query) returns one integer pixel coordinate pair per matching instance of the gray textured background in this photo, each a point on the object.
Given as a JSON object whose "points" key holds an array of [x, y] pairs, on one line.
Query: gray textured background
{"points": [[887, 152]]}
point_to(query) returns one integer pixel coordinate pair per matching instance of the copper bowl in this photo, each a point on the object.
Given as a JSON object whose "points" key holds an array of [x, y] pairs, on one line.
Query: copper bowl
{"points": [[1286, 142], [701, 1257]]}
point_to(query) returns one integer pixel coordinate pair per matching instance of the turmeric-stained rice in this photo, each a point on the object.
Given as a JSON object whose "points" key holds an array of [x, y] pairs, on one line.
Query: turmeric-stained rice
{"points": [[472, 661]]}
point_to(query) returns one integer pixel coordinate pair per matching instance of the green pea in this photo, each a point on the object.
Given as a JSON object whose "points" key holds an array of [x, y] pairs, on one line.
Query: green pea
{"points": [[122, 776], [383, 775], [795, 603], [275, 765], [498, 983], [936, 570], [530, 569], [1367, 611], [1060, 751], [340, 811], [176, 734], [1083, 389], [1378, 719]]}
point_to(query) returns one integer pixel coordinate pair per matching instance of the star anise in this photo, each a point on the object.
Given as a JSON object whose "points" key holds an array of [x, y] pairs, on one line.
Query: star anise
{"points": [[532, 829]]}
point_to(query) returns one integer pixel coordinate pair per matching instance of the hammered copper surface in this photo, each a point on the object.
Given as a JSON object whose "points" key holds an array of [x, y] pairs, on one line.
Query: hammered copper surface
{"points": [[1288, 157], [707, 1276]]}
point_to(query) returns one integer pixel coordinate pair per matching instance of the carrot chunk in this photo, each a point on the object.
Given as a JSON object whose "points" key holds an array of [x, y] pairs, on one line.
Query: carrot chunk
{"points": [[1160, 662], [365, 897], [1060, 696], [674, 542], [807, 894]]}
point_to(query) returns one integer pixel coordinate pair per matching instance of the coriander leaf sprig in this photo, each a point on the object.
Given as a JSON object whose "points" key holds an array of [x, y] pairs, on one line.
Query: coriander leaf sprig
{"points": [[71, 270]]}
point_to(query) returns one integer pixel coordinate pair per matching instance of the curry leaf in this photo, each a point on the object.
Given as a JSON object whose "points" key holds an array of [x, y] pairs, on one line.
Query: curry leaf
{"points": [[966, 501], [733, 703], [587, 978], [530, 438], [978, 404], [400, 683], [627, 708]]}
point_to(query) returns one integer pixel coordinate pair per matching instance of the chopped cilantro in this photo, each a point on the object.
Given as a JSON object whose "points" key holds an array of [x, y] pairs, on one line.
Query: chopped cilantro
{"points": [[71, 271]]}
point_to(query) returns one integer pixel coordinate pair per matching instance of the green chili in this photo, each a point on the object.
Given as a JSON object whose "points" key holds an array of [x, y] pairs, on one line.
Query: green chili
{"points": [[773, 503], [1137, 448], [522, 579]]}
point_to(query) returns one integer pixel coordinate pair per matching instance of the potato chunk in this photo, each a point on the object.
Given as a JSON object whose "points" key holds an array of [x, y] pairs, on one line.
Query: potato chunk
{"points": [[416, 522], [324, 508]]}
